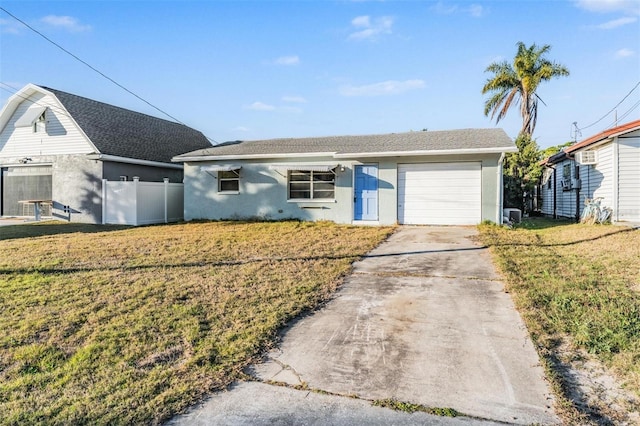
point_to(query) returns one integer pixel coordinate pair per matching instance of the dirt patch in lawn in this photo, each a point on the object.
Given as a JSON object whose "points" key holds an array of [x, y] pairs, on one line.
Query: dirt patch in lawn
{"points": [[105, 325], [576, 287]]}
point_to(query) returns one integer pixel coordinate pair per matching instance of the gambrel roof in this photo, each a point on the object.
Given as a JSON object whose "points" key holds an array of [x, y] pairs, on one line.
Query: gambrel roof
{"points": [[120, 132]]}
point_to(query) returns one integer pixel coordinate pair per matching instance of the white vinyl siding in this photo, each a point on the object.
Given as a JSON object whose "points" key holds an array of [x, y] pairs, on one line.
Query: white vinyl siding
{"points": [[61, 136], [597, 179], [629, 178], [440, 193]]}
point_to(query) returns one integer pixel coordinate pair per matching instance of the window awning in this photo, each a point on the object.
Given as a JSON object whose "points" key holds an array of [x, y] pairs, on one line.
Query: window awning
{"points": [[303, 167], [220, 168], [30, 116]]}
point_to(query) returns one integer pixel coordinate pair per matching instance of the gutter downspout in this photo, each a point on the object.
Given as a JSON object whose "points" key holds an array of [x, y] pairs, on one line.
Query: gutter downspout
{"points": [[555, 193], [577, 175], [116, 159], [500, 191]]}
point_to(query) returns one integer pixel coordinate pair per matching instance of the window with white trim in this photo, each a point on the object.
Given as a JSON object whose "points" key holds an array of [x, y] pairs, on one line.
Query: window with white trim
{"points": [[40, 125], [229, 181], [311, 185]]}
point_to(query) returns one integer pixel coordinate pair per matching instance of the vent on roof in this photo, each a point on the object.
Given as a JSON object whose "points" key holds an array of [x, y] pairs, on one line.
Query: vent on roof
{"points": [[587, 157]]}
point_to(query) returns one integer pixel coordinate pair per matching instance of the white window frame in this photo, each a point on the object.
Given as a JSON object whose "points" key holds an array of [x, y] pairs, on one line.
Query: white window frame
{"points": [[40, 124], [312, 183], [223, 179]]}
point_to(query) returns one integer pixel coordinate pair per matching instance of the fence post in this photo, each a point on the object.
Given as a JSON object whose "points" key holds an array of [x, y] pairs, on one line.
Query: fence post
{"points": [[104, 202], [136, 179], [166, 199]]}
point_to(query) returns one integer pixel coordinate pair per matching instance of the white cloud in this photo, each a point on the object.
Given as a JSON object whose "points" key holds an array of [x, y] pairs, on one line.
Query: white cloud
{"points": [[475, 10], [294, 99], [625, 53], [288, 60], [67, 23], [240, 129], [260, 106], [609, 25], [390, 87], [368, 29], [444, 9], [8, 26], [604, 6], [361, 21]]}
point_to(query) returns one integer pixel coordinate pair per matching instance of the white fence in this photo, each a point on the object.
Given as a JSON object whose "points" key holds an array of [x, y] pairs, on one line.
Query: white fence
{"points": [[142, 203]]}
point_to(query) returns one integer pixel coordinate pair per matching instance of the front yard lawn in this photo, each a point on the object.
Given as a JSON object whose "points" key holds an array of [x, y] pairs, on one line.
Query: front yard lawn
{"points": [[578, 289], [104, 325]]}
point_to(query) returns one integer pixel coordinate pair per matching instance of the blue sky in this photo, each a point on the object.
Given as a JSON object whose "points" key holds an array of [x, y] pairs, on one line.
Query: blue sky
{"points": [[240, 70]]}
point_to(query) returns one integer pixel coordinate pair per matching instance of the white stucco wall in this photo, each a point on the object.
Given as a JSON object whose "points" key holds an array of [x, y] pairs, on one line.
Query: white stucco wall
{"points": [[263, 192]]}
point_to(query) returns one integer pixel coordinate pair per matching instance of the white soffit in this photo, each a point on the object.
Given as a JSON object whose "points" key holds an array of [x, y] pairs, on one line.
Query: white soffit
{"points": [[30, 116]]}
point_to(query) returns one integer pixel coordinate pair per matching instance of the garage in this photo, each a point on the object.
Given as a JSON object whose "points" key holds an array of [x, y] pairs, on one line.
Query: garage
{"points": [[440, 193], [24, 183]]}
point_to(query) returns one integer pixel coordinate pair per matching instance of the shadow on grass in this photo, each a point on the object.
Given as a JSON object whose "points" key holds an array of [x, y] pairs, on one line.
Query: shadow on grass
{"points": [[227, 263], [536, 223], [42, 229], [567, 243]]}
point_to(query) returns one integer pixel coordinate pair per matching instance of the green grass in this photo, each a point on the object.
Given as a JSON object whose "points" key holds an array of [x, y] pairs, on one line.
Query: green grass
{"points": [[575, 284], [104, 325], [409, 407]]}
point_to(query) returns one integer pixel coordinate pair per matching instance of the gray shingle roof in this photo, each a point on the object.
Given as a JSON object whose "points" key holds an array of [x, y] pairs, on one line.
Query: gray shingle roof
{"points": [[124, 133], [451, 140]]}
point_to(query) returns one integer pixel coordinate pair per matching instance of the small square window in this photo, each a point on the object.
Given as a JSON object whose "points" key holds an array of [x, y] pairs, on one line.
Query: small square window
{"points": [[566, 171], [229, 181]]}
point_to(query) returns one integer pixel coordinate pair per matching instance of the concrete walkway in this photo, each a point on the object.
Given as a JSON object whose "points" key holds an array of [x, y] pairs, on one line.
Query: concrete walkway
{"points": [[423, 319]]}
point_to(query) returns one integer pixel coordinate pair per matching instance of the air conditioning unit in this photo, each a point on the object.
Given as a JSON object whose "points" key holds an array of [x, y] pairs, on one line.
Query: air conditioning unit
{"points": [[565, 184], [514, 215], [576, 184], [587, 157]]}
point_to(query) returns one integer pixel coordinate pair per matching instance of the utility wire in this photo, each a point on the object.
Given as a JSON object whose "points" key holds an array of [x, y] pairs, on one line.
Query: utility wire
{"points": [[625, 114], [612, 109], [15, 91], [95, 69]]}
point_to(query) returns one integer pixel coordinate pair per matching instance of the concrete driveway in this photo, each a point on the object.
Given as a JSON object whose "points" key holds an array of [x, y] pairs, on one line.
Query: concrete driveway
{"points": [[423, 319]]}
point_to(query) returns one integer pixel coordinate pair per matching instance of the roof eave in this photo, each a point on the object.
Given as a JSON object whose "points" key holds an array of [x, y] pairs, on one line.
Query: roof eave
{"points": [[604, 137], [493, 150], [189, 158], [126, 160]]}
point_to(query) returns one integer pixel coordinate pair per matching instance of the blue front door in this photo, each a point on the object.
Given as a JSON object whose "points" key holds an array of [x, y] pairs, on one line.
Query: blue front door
{"points": [[366, 193]]}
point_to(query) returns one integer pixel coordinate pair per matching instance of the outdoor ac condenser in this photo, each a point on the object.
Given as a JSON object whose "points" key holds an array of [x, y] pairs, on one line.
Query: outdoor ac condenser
{"points": [[576, 184]]}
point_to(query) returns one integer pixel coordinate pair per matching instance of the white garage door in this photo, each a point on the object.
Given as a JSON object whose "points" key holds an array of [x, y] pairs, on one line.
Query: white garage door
{"points": [[439, 193]]}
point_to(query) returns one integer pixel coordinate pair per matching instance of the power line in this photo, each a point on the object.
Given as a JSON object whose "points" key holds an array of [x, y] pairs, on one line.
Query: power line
{"points": [[612, 109], [15, 91], [95, 69], [625, 114]]}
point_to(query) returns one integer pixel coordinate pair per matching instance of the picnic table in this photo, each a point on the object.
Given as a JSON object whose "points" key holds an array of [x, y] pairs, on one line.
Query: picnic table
{"points": [[37, 206]]}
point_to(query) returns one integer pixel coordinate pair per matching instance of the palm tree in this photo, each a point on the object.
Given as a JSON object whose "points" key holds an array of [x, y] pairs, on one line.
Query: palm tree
{"points": [[519, 83]]}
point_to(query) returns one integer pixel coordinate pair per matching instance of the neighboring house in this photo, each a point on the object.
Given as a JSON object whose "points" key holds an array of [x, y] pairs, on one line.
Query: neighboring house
{"points": [[58, 146], [429, 177], [606, 165]]}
